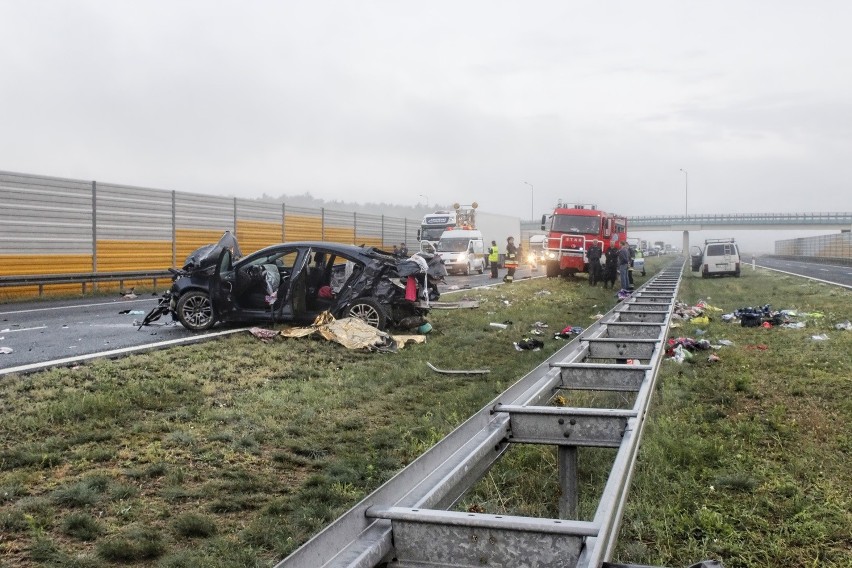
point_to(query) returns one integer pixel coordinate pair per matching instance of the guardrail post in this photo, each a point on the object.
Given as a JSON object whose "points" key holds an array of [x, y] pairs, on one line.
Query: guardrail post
{"points": [[174, 228], [567, 456], [94, 233]]}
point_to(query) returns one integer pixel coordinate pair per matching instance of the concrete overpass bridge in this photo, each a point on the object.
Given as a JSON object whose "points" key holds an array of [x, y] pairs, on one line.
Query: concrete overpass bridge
{"points": [[740, 221]]}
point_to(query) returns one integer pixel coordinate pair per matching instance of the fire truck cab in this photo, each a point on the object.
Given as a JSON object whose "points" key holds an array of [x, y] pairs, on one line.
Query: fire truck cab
{"points": [[571, 230]]}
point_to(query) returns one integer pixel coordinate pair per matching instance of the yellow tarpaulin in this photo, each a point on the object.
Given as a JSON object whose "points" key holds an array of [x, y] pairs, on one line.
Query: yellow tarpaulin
{"points": [[352, 333]]}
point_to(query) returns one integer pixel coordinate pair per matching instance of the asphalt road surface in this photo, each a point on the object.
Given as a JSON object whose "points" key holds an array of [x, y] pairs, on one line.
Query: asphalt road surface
{"points": [[62, 332], [832, 273]]}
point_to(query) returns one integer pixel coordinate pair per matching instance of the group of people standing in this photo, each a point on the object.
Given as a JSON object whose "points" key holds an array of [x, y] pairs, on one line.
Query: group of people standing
{"points": [[618, 261], [510, 261], [400, 251]]}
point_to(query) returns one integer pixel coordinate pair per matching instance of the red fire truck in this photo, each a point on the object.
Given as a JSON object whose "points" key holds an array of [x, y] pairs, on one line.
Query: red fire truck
{"points": [[571, 229]]}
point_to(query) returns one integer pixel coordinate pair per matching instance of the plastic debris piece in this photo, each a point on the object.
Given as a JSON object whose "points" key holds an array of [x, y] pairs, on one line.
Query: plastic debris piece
{"points": [[680, 354], [821, 337], [498, 325], [5, 350], [264, 335], [528, 344], [713, 358], [458, 371], [847, 325]]}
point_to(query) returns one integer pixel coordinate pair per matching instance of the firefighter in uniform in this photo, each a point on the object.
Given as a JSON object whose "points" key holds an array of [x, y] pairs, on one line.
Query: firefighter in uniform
{"points": [[511, 262], [594, 254]]}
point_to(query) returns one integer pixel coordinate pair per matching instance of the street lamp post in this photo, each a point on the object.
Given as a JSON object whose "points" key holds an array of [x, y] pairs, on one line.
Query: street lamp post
{"points": [[686, 192], [532, 200], [426, 198]]}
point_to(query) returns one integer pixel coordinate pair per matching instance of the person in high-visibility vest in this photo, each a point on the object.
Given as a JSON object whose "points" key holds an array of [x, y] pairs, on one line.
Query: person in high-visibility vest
{"points": [[511, 262], [494, 258]]}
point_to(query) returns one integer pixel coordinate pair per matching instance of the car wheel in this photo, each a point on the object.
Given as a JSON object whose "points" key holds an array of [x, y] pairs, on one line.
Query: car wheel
{"points": [[552, 269], [467, 269], [370, 311], [481, 268], [195, 311], [643, 272]]}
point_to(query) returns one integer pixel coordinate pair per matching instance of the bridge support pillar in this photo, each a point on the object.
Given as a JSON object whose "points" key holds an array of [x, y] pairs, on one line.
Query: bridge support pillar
{"points": [[685, 247]]}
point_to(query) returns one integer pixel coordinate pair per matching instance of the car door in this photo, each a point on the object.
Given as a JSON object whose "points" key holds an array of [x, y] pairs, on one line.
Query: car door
{"points": [[696, 254], [222, 284], [296, 304]]}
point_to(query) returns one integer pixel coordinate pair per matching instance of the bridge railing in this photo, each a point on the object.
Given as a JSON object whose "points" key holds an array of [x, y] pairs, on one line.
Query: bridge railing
{"points": [[815, 218]]}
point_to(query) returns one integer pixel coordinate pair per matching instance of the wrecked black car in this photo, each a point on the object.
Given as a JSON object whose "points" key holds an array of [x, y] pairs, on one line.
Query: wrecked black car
{"points": [[295, 282]]}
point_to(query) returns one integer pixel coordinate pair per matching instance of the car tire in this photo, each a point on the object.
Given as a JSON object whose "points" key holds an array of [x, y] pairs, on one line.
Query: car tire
{"points": [[370, 311], [466, 271], [552, 269], [481, 268], [195, 311]]}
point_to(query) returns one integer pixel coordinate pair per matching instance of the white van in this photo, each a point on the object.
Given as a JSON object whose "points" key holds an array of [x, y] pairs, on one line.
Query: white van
{"points": [[462, 251], [720, 257]]}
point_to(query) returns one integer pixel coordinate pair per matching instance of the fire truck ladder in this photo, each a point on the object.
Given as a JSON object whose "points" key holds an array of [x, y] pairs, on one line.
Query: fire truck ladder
{"points": [[407, 523]]}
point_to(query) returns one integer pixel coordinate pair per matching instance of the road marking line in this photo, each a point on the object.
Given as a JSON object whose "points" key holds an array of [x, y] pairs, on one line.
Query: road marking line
{"points": [[115, 352], [23, 329], [78, 306]]}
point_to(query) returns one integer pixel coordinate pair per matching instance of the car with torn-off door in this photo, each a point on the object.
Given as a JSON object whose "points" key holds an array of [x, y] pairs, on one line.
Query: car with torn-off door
{"points": [[295, 282], [719, 257]]}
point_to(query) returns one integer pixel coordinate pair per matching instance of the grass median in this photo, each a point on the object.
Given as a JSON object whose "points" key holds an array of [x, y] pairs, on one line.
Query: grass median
{"points": [[234, 452]]}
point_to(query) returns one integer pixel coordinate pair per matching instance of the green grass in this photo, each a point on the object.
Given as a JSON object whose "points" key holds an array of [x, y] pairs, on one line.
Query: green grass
{"points": [[747, 459], [234, 452]]}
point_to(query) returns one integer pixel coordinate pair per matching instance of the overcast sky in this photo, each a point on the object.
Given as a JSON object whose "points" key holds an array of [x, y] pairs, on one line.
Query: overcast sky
{"points": [[440, 101]]}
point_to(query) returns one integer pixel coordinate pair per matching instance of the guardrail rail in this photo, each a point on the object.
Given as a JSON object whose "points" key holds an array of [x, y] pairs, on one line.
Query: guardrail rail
{"points": [[85, 278], [407, 522]]}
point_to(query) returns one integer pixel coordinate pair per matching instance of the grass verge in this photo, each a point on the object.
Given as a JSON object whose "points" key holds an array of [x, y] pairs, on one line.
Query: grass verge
{"points": [[232, 453]]}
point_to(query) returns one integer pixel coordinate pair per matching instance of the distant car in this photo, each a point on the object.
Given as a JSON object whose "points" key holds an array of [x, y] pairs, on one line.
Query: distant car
{"points": [[295, 282], [462, 251]]}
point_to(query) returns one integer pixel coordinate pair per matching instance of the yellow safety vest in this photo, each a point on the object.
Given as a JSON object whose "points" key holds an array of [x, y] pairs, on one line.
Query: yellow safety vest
{"points": [[494, 254]]}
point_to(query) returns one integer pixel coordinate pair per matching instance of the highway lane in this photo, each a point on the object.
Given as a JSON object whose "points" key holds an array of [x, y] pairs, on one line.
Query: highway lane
{"points": [[831, 273], [65, 331], [49, 330]]}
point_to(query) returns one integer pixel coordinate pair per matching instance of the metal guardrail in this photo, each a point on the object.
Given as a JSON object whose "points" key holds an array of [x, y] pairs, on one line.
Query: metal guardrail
{"points": [[84, 279], [408, 521]]}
